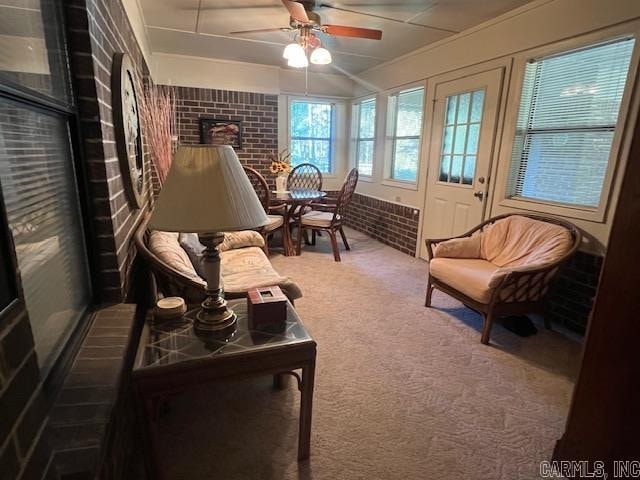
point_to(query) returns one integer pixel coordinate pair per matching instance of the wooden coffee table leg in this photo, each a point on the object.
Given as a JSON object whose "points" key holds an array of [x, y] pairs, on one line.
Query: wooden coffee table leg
{"points": [[149, 407], [306, 408]]}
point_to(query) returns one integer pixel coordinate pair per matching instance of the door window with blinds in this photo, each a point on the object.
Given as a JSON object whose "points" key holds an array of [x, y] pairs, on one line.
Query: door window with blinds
{"points": [[365, 128], [566, 124], [37, 176]]}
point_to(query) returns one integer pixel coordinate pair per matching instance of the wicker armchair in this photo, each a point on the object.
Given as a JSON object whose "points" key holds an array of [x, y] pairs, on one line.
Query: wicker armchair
{"points": [[274, 212], [328, 217], [517, 288]]}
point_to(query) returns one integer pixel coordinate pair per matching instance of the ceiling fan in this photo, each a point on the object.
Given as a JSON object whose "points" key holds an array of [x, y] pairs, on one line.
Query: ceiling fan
{"points": [[303, 18]]}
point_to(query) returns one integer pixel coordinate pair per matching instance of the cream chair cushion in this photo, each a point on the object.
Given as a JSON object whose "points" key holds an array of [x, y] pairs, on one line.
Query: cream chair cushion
{"points": [[246, 268], [518, 241], [316, 218], [275, 221], [469, 276], [476, 265], [465, 247]]}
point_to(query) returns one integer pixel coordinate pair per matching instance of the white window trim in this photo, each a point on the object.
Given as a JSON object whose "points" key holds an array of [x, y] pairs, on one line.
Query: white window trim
{"points": [[619, 145], [387, 179], [354, 140], [334, 131]]}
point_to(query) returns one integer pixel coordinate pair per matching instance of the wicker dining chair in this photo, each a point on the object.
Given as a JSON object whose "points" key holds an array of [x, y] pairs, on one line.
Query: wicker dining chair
{"points": [[276, 221], [305, 176], [328, 217]]}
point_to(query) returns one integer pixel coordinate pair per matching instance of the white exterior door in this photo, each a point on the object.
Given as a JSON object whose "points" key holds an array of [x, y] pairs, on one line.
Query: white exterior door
{"points": [[462, 137]]}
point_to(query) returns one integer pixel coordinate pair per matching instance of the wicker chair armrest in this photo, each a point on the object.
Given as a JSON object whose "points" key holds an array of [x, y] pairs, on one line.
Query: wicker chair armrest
{"points": [[324, 207], [529, 283], [280, 208]]}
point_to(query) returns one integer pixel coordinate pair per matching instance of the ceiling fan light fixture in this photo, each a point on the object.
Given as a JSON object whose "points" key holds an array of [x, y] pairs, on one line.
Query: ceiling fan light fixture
{"points": [[320, 56], [292, 50], [298, 60]]}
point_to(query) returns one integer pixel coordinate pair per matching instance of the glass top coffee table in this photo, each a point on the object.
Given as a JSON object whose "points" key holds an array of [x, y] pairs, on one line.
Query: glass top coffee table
{"points": [[172, 356]]}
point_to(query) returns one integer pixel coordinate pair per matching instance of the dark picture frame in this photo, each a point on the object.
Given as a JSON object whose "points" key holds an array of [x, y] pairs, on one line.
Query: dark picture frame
{"points": [[214, 131]]}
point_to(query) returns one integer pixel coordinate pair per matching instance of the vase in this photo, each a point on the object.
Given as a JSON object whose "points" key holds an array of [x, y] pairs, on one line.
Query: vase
{"points": [[281, 183]]}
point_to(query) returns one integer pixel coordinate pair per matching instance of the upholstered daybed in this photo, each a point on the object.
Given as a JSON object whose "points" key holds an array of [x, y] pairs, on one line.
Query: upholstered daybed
{"points": [[243, 264]]}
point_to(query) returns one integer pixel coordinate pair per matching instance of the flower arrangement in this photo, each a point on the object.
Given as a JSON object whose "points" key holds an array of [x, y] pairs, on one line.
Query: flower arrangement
{"points": [[280, 162]]}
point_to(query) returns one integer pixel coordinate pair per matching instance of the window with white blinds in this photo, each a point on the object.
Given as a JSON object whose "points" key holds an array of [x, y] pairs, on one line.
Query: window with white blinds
{"points": [[43, 213], [566, 123], [404, 129], [365, 136]]}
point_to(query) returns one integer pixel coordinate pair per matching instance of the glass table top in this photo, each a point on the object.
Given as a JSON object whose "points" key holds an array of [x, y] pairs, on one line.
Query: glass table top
{"points": [[298, 195], [168, 342]]}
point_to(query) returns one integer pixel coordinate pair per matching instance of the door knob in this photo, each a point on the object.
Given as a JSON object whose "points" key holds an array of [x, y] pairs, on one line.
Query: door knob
{"points": [[479, 194]]}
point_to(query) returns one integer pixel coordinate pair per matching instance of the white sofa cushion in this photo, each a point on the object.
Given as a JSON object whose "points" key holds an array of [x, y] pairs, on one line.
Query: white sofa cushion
{"points": [[245, 268]]}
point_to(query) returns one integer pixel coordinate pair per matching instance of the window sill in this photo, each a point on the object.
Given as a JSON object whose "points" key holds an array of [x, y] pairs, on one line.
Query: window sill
{"points": [[577, 212], [365, 178], [400, 184]]}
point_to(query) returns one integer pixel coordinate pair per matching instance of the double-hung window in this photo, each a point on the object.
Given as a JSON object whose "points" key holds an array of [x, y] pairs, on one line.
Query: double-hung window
{"points": [[364, 135], [40, 197], [404, 127], [311, 134], [566, 124]]}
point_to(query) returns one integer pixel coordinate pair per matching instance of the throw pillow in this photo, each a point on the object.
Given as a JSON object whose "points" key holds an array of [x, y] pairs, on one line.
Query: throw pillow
{"points": [[194, 249]]}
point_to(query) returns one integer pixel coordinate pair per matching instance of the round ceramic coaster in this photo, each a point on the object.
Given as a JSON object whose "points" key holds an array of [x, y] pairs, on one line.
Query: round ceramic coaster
{"points": [[170, 307]]}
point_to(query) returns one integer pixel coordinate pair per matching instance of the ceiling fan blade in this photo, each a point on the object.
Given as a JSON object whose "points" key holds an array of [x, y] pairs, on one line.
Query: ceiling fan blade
{"points": [[263, 30], [343, 31], [296, 10], [335, 7]]}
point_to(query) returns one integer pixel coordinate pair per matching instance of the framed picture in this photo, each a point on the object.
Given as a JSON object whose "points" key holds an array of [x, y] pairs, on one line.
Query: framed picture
{"points": [[221, 132]]}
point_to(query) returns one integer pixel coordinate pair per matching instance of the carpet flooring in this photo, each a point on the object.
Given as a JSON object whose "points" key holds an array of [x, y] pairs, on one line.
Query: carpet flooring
{"points": [[402, 391]]}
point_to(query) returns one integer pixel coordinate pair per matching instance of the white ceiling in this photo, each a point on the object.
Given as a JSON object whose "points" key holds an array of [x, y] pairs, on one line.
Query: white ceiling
{"points": [[201, 28]]}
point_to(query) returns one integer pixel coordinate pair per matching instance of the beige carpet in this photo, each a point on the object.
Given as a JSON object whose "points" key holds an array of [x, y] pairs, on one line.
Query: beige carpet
{"points": [[402, 392]]}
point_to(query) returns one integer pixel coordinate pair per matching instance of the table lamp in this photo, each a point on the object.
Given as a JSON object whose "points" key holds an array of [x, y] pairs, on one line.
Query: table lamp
{"points": [[207, 192]]}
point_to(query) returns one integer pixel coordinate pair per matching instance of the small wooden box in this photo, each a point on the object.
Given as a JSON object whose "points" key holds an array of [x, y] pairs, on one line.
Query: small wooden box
{"points": [[266, 306]]}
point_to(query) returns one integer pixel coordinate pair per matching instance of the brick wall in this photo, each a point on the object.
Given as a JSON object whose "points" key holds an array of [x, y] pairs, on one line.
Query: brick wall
{"points": [[24, 451], [92, 423], [257, 112], [393, 224], [97, 29]]}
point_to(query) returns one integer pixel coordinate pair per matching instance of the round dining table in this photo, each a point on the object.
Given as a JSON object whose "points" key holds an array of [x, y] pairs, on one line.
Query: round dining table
{"points": [[293, 202]]}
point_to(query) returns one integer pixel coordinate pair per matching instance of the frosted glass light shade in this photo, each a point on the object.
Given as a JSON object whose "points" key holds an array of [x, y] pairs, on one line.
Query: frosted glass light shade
{"points": [[320, 56], [207, 191], [291, 50], [298, 60]]}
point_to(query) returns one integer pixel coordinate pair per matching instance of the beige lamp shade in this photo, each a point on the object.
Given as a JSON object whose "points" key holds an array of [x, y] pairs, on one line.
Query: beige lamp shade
{"points": [[207, 191]]}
